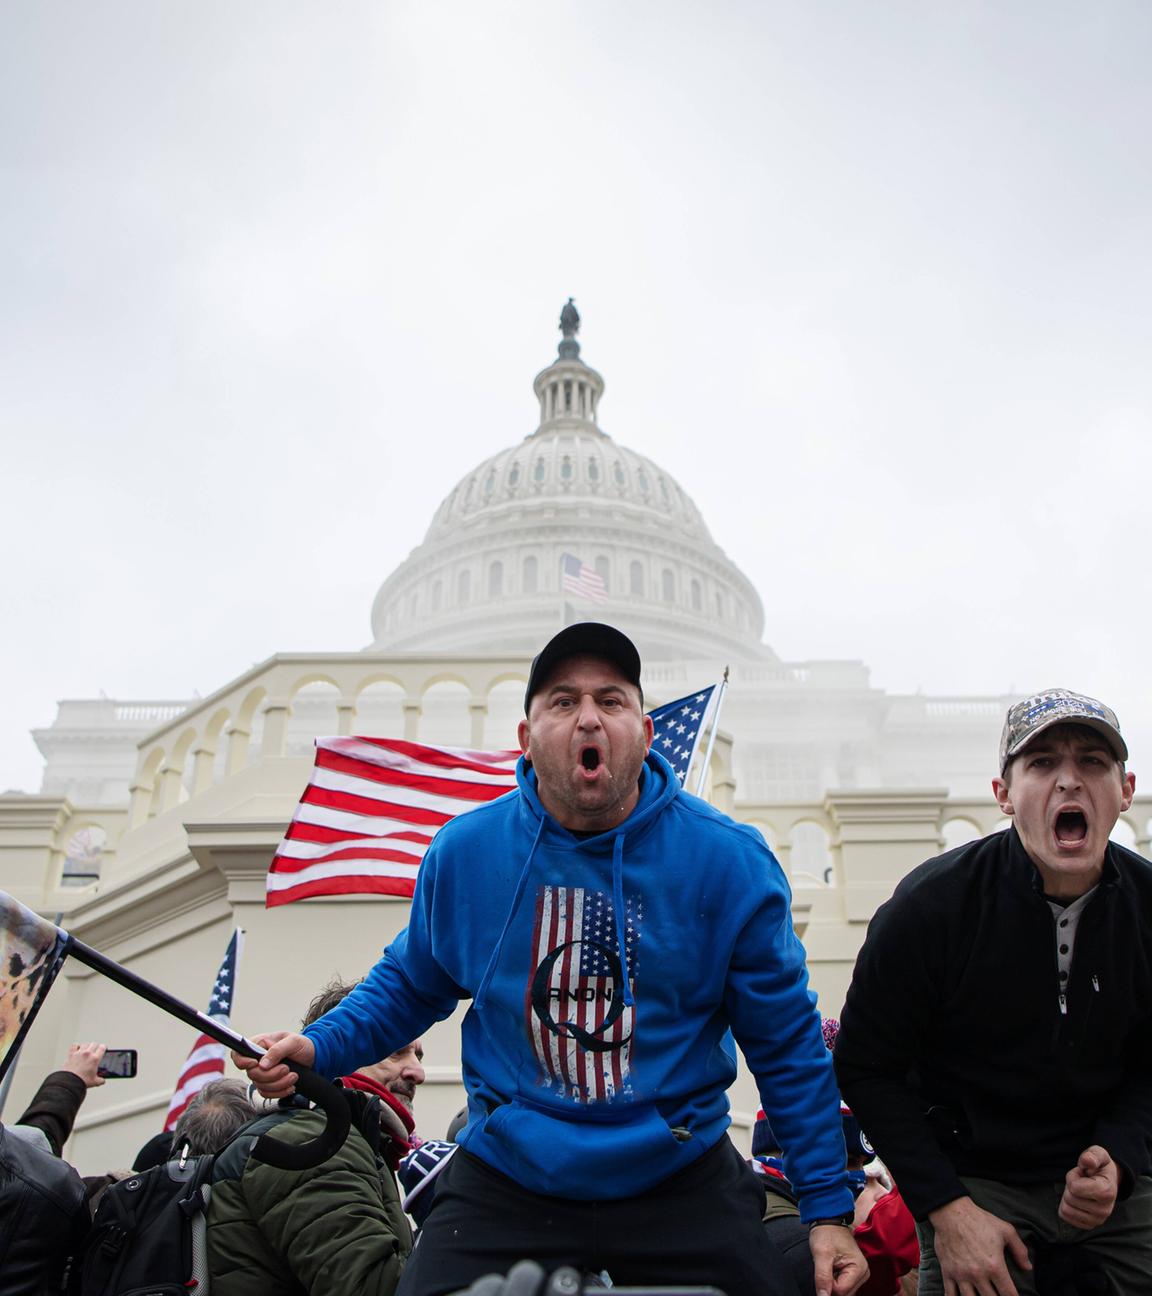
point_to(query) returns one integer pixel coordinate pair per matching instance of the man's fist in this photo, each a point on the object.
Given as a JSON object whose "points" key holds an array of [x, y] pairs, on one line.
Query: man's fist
{"points": [[1090, 1189], [272, 1074]]}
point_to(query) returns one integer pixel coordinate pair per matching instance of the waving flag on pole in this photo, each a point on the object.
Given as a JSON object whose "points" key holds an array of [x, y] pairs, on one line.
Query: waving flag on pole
{"points": [[370, 811], [206, 1060], [678, 728], [583, 581], [373, 805], [31, 952]]}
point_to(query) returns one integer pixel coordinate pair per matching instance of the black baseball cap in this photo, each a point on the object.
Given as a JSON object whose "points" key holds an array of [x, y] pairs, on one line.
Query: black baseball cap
{"points": [[586, 638]]}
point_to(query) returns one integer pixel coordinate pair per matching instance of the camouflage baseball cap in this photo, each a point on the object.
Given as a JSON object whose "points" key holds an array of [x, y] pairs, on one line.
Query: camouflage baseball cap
{"points": [[1057, 706]]}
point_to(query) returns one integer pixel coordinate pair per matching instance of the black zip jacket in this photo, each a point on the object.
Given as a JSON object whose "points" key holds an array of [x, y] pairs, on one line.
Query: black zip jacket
{"points": [[955, 1051]]}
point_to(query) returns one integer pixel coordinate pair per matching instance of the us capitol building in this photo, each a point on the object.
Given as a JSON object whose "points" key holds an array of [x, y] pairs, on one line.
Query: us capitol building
{"points": [[156, 820]]}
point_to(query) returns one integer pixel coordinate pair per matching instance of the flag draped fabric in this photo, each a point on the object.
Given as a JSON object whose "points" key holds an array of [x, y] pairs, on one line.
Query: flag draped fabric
{"points": [[583, 581], [31, 952], [206, 1060], [679, 726], [370, 811]]}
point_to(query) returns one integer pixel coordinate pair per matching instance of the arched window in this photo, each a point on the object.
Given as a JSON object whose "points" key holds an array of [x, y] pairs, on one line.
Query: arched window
{"points": [[593, 470], [566, 468], [464, 586], [642, 481], [490, 484], [531, 577], [697, 597], [496, 579], [719, 606], [514, 474], [437, 589], [635, 578], [668, 585], [602, 569], [618, 473], [539, 470]]}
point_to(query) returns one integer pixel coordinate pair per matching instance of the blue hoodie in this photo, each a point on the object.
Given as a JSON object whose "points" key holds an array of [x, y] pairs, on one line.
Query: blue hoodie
{"points": [[596, 1068]]}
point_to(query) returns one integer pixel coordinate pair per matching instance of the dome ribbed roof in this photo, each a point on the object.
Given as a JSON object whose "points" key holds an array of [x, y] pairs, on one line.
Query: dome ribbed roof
{"points": [[487, 575], [568, 464]]}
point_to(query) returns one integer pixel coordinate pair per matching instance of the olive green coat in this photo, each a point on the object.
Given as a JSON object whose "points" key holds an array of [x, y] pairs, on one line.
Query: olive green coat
{"points": [[333, 1229]]}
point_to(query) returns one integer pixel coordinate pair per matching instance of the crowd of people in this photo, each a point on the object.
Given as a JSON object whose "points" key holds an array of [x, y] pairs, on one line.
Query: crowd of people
{"points": [[978, 1123]]}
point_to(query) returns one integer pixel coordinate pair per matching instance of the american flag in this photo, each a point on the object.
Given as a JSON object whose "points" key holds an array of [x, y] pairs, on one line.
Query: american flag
{"points": [[679, 727], [373, 805], [581, 1031], [583, 581], [370, 811], [206, 1060]]}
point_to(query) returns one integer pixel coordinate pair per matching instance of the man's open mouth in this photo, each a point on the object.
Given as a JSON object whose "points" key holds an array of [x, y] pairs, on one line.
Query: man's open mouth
{"points": [[590, 759], [1071, 827]]}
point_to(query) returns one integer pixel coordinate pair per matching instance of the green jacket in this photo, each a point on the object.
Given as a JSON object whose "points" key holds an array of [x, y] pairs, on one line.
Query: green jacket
{"points": [[333, 1229]]}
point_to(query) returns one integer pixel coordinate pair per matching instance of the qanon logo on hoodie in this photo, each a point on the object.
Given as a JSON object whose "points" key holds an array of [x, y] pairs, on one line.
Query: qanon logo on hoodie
{"points": [[580, 1027]]}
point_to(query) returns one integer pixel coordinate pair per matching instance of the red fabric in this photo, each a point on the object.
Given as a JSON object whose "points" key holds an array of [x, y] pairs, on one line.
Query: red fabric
{"points": [[397, 1147], [888, 1240]]}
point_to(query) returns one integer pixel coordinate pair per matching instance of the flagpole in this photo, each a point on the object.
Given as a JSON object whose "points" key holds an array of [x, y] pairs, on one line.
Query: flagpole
{"points": [[309, 1082], [712, 735]]}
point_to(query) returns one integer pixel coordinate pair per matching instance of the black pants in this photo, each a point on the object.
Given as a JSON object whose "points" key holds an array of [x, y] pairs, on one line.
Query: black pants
{"points": [[701, 1227]]}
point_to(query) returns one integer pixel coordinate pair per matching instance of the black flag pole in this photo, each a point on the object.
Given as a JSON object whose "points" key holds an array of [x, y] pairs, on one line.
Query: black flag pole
{"points": [[311, 1084], [161, 998], [34, 951]]}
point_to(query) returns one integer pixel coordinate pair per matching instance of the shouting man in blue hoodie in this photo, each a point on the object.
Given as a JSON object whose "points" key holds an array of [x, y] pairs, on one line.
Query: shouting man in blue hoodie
{"points": [[622, 930]]}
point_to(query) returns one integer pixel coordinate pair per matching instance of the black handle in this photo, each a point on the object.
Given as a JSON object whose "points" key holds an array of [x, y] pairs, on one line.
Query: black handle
{"points": [[303, 1156]]}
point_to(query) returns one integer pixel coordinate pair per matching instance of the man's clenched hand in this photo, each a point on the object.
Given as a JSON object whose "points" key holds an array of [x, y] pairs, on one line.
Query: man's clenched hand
{"points": [[272, 1074], [1090, 1189]]}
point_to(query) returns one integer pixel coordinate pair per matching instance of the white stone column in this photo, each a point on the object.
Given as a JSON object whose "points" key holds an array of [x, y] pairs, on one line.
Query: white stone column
{"points": [[238, 737], [276, 712], [203, 767], [345, 717], [169, 780], [478, 709], [413, 710], [140, 798]]}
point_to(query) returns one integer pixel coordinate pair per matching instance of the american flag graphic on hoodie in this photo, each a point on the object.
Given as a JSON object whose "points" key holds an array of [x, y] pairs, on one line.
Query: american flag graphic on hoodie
{"points": [[580, 1028]]}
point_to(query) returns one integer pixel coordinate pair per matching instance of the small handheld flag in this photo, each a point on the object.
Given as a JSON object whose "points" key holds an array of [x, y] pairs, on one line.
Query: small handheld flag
{"points": [[206, 1060]]}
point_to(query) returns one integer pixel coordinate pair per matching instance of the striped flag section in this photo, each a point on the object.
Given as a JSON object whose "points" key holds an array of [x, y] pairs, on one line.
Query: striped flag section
{"points": [[206, 1060], [581, 1031], [371, 809], [583, 581]]}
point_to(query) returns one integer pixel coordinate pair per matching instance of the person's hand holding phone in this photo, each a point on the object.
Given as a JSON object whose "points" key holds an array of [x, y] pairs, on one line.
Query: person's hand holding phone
{"points": [[84, 1061]]}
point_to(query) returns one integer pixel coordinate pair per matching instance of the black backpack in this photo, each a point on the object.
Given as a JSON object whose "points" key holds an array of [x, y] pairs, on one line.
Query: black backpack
{"points": [[149, 1235]]}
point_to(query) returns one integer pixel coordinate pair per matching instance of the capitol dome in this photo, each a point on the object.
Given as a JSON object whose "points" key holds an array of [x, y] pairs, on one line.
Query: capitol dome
{"points": [[487, 576]]}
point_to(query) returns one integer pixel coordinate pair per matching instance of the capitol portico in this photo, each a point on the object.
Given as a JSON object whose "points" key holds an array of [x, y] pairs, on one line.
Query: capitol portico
{"points": [[156, 820]]}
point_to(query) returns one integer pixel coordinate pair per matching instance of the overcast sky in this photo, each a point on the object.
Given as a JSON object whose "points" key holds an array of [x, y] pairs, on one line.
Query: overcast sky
{"points": [[871, 281]]}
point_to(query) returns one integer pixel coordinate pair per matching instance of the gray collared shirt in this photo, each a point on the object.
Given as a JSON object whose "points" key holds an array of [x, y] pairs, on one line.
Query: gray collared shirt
{"points": [[1067, 920]]}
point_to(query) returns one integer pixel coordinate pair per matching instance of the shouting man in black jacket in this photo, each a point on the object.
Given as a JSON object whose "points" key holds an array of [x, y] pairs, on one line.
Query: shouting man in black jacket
{"points": [[997, 1038]]}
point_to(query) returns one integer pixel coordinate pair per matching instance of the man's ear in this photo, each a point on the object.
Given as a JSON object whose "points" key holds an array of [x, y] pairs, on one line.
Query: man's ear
{"points": [[522, 733], [649, 732], [1129, 790], [1003, 794]]}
